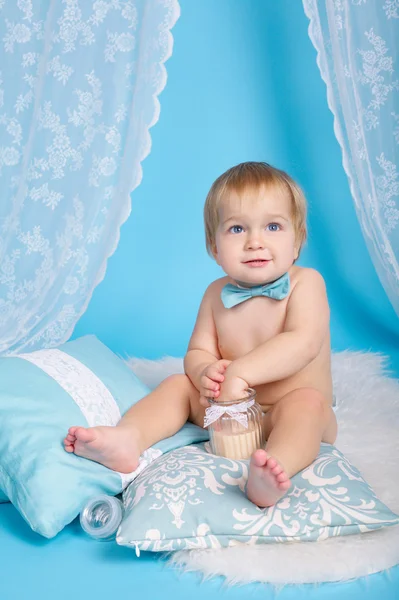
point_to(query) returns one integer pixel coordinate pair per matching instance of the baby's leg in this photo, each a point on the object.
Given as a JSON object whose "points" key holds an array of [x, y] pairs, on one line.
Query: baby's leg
{"points": [[295, 427], [157, 416]]}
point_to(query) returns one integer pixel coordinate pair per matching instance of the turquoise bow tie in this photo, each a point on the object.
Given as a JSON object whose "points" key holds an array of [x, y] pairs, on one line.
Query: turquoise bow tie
{"points": [[278, 290]]}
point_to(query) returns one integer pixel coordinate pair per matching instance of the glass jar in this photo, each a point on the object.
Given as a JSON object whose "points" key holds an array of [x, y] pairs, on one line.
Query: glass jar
{"points": [[235, 427]]}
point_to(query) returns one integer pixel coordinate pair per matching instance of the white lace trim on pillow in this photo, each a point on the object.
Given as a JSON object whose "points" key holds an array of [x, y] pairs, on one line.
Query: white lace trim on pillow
{"points": [[88, 391], [93, 398]]}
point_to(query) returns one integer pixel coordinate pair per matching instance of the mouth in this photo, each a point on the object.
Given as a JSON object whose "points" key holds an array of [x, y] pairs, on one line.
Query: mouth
{"points": [[258, 262]]}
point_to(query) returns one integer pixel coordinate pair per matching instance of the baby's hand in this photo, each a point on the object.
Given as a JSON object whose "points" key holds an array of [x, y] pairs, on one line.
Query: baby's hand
{"points": [[232, 388], [211, 378]]}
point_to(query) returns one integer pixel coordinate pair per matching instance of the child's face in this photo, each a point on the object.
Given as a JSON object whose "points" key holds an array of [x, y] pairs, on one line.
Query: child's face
{"points": [[255, 240]]}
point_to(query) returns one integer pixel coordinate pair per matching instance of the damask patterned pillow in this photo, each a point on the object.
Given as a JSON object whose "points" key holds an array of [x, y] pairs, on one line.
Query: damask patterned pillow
{"points": [[41, 395], [190, 498]]}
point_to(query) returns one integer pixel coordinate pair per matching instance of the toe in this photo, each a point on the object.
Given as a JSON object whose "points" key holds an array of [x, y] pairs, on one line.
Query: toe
{"points": [[277, 470], [69, 448], [284, 485], [259, 458], [84, 435], [282, 477], [271, 463]]}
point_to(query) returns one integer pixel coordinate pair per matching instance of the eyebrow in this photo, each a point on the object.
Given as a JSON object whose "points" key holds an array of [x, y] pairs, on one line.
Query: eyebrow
{"points": [[241, 218]]}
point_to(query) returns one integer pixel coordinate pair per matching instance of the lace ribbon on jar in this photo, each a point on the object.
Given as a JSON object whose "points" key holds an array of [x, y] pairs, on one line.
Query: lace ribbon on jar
{"points": [[238, 412]]}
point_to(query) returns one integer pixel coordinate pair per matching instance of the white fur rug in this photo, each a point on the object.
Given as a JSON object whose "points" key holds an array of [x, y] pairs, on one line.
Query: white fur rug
{"points": [[368, 420]]}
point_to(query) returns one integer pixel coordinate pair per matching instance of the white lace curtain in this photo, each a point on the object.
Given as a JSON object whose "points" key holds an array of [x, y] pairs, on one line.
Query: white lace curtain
{"points": [[79, 81], [357, 43]]}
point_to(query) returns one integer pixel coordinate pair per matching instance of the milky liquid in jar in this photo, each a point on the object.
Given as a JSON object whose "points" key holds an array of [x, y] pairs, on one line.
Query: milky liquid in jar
{"points": [[231, 438]]}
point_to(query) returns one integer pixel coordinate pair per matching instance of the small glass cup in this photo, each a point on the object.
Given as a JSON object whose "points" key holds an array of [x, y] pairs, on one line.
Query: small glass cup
{"points": [[231, 438]]}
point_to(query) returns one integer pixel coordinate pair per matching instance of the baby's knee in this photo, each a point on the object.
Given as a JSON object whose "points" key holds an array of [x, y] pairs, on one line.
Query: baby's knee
{"points": [[180, 381], [307, 400], [314, 401], [177, 379]]}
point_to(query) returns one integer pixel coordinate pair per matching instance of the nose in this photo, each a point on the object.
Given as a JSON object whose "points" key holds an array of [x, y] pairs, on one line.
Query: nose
{"points": [[254, 242]]}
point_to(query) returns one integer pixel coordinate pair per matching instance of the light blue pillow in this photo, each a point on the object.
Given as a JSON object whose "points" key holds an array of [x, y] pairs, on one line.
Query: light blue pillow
{"points": [[41, 395], [190, 498]]}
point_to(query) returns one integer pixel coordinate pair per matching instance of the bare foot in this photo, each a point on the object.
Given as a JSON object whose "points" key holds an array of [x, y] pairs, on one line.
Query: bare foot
{"points": [[267, 481], [114, 447]]}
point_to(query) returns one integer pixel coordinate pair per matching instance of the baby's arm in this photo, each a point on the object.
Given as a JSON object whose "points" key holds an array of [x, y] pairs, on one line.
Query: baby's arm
{"points": [[203, 347], [305, 329]]}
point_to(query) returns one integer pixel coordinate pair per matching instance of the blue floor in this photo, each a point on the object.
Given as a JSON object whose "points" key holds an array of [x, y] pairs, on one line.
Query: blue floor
{"points": [[73, 567]]}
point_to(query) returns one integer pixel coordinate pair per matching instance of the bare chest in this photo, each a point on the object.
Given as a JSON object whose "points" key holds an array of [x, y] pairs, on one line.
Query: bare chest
{"points": [[244, 327]]}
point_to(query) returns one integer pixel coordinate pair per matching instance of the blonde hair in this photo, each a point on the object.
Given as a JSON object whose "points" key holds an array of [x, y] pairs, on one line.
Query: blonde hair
{"points": [[252, 176]]}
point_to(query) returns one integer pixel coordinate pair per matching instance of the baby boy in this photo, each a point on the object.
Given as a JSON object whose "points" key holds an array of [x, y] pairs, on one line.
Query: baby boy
{"points": [[276, 341]]}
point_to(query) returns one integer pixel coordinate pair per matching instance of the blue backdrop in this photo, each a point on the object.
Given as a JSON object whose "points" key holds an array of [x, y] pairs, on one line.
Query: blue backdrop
{"points": [[243, 84]]}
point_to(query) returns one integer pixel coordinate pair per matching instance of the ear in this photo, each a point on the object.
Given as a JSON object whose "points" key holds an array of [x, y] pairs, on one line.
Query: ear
{"points": [[299, 240], [215, 254]]}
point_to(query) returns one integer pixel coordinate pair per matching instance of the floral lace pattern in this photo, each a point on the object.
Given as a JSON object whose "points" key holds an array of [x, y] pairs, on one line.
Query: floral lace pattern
{"points": [[356, 42], [90, 394], [71, 146], [88, 391], [190, 498]]}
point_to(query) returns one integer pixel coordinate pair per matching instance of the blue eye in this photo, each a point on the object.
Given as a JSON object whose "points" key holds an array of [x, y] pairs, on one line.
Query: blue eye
{"points": [[235, 228], [273, 227]]}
